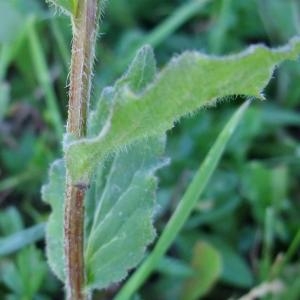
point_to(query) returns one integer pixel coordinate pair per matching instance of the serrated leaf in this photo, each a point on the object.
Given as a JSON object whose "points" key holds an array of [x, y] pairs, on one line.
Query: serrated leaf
{"points": [[189, 82], [68, 6]]}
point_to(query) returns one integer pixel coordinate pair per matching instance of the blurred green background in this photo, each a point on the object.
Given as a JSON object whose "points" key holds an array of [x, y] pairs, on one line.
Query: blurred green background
{"points": [[247, 225]]}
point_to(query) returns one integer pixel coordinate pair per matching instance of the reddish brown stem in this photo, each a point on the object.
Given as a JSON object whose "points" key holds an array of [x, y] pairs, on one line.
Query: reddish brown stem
{"points": [[74, 226], [84, 36], [83, 48]]}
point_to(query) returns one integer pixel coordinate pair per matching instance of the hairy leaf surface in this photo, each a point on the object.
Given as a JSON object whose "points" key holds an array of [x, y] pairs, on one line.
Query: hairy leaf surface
{"points": [[189, 81], [53, 193], [121, 228], [120, 202], [118, 214]]}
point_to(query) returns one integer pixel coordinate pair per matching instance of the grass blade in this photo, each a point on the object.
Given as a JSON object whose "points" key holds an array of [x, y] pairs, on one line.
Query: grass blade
{"points": [[172, 23], [44, 79]]}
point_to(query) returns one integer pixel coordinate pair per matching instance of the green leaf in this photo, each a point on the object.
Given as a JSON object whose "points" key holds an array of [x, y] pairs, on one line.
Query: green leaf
{"points": [[174, 267], [233, 264], [53, 194], [26, 275], [4, 98], [119, 213], [190, 81], [122, 219], [21, 239], [207, 265], [10, 221], [140, 73], [272, 192], [15, 15], [12, 19], [68, 6], [121, 198]]}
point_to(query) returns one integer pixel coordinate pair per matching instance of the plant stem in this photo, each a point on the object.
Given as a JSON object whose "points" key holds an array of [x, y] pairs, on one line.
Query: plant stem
{"points": [[84, 36]]}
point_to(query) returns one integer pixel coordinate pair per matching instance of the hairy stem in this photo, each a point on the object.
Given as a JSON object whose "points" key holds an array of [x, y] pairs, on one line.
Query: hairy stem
{"points": [[84, 37]]}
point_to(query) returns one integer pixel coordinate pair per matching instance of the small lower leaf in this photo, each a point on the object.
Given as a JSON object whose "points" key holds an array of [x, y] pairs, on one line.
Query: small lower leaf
{"points": [[53, 193], [207, 266]]}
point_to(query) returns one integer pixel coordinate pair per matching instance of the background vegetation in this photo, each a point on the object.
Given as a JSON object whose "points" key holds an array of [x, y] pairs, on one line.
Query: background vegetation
{"points": [[248, 220]]}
